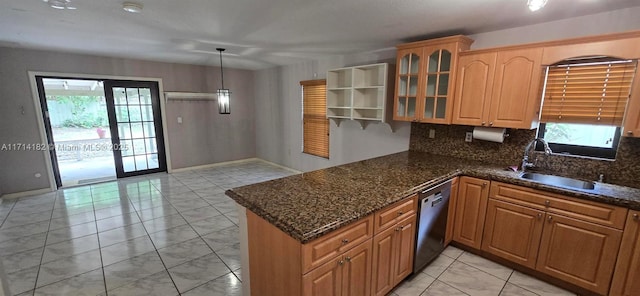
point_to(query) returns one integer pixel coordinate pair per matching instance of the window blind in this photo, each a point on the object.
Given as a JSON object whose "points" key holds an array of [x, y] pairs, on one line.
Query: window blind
{"points": [[314, 118], [590, 93]]}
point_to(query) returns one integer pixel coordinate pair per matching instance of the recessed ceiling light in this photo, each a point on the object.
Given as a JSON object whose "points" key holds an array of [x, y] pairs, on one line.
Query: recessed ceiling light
{"points": [[132, 7], [535, 5], [60, 4]]}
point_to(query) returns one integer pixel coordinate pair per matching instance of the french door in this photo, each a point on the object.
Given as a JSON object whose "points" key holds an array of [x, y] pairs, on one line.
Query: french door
{"points": [[136, 127]]}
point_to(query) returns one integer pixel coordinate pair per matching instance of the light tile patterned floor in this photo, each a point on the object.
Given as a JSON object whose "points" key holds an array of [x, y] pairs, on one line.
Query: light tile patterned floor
{"points": [[177, 235], [151, 235]]}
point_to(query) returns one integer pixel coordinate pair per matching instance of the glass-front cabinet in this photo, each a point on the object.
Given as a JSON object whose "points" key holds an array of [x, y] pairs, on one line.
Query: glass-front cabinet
{"points": [[425, 74]]}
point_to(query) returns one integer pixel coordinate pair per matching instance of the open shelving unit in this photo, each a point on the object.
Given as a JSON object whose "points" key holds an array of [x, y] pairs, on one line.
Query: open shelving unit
{"points": [[359, 93]]}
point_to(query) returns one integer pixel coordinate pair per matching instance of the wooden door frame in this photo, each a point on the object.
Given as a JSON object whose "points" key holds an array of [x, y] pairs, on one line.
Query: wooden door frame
{"points": [[40, 119]]}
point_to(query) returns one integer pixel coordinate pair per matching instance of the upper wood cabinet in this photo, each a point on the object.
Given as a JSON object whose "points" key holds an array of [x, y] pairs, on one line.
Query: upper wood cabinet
{"points": [[471, 208], [425, 79], [627, 272], [632, 118], [499, 88]]}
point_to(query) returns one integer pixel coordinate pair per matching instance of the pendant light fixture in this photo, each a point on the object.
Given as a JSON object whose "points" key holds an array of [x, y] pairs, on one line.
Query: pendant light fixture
{"points": [[223, 93], [535, 5]]}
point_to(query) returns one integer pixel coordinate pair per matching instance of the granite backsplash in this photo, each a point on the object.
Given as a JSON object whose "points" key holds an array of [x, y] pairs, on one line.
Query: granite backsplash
{"points": [[449, 141]]}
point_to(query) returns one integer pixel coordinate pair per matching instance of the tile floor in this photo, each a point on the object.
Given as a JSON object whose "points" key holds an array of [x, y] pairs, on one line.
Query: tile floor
{"points": [[177, 235]]}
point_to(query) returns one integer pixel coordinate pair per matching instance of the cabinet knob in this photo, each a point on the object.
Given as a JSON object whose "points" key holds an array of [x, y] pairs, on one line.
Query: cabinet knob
{"points": [[547, 202], [629, 132], [636, 217], [398, 228], [345, 241], [483, 123], [549, 219], [348, 259], [539, 216], [400, 213], [341, 262], [484, 184], [490, 123]]}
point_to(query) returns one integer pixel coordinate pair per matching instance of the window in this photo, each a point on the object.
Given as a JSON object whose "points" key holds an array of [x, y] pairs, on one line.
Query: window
{"points": [[584, 105], [315, 138]]}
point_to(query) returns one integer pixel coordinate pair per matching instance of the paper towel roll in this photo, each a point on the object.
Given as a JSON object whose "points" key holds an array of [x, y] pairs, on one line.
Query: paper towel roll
{"points": [[489, 134]]}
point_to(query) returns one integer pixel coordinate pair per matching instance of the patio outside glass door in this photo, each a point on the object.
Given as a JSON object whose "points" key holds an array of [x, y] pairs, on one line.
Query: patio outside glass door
{"points": [[134, 113]]}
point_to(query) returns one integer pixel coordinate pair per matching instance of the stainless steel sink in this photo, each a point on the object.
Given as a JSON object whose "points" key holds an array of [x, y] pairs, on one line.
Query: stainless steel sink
{"points": [[559, 181]]}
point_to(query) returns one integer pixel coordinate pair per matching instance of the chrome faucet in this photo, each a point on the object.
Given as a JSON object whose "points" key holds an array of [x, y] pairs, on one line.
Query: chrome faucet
{"points": [[525, 160]]}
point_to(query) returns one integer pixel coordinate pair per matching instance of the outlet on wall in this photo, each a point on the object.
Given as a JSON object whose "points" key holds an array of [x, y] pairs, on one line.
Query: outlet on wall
{"points": [[432, 133], [468, 137]]}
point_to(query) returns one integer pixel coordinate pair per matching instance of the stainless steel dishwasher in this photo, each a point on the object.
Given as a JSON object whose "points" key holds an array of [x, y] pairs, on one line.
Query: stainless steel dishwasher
{"points": [[433, 206]]}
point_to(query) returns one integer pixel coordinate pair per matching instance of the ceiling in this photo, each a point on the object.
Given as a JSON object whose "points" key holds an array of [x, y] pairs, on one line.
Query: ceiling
{"points": [[263, 33]]}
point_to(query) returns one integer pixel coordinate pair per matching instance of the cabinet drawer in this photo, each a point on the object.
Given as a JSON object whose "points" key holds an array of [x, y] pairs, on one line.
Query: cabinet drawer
{"points": [[329, 246], [394, 213], [599, 213]]}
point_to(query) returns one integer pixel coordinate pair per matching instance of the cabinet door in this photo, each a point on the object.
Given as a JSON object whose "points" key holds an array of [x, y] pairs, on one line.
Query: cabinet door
{"points": [[453, 197], [513, 232], [473, 92], [324, 280], [626, 279], [406, 239], [578, 252], [356, 279], [436, 104], [632, 117], [471, 208], [408, 84], [516, 92], [382, 280]]}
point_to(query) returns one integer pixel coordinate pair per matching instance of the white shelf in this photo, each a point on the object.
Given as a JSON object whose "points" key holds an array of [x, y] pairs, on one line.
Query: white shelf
{"points": [[360, 93]]}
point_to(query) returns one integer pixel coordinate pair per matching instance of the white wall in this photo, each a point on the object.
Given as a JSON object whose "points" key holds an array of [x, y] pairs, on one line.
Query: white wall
{"points": [[278, 97]]}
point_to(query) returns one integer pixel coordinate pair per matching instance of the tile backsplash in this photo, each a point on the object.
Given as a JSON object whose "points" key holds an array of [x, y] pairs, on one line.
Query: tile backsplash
{"points": [[449, 140]]}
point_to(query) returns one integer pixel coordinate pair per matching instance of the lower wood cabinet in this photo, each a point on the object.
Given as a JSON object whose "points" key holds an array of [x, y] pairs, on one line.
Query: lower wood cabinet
{"points": [[626, 278], [393, 251], [513, 232], [471, 208], [451, 214], [346, 275], [579, 252]]}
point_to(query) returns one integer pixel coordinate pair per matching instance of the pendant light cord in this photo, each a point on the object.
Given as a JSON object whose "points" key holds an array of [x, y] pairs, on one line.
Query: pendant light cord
{"points": [[221, 72]]}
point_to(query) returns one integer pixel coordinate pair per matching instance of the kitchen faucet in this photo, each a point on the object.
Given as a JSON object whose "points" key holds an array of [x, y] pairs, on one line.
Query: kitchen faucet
{"points": [[525, 160]]}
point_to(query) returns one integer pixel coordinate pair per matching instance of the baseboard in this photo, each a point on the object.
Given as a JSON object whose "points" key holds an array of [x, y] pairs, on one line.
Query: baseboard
{"points": [[218, 164], [26, 193]]}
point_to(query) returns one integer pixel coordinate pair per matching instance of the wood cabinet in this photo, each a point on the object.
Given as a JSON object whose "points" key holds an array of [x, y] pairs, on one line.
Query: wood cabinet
{"points": [[632, 117], [393, 251], [626, 278], [395, 213], [579, 252], [471, 208], [453, 198], [425, 79], [499, 88], [513, 232], [346, 275]]}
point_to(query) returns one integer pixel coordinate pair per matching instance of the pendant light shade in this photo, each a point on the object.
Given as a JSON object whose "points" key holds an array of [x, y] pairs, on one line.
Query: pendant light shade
{"points": [[224, 95]]}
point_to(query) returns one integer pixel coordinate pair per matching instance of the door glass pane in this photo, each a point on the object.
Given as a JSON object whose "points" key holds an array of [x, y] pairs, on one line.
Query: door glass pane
{"points": [[413, 85], [443, 86], [441, 107], [150, 144], [433, 62], [415, 64], [411, 107], [445, 62], [128, 164], [134, 113], [149, 129], [141, 162], [126, 147], [136, 130], [431, 84], [132, 96], [402, 105], [139, 147], [428, 108], [152, 160], [122, 113], [124, 130], [402, 87], [145, 96], [147, 112], [119, 96], [404, 64]]}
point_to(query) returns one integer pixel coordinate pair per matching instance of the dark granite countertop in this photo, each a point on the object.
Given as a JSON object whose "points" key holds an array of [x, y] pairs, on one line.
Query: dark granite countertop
{"points": [[308, 205]]}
